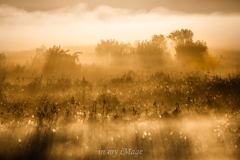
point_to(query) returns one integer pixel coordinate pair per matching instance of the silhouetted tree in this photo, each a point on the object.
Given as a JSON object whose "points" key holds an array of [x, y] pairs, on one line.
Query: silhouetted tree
{"points": [[57, 61], [182, 36], [152, 53], [188, 51], [113, 50]]}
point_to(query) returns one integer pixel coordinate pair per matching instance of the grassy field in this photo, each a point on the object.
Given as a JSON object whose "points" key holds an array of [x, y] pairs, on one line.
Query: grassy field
{"points": [[191, 115]]}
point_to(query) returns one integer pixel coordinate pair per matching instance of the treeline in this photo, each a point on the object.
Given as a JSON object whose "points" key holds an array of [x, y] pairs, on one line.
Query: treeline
{"points": [[151, 54], [155, 54]]}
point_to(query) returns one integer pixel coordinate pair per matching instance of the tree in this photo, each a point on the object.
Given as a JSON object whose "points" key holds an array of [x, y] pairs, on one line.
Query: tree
{"points": [[191, 51], [188, 51], [182, 36], [112, 48], [107, 48], [58, 61], [154, 52], [114, 51]]}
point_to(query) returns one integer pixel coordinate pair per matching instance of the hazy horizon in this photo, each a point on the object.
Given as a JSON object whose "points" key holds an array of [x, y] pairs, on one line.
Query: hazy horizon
{"points": [[83, 24]]}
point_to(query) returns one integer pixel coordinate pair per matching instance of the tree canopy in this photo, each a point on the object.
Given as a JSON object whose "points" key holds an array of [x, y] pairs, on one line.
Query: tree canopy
{"points": [[189, 52], [112, 48], [116, 53], [185, 47], [181, 37], [153, 52], [58, 61]]}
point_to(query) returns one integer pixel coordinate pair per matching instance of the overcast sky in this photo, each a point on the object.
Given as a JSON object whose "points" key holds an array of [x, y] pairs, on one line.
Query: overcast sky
{"points": [[27, 24], [190, 6]]}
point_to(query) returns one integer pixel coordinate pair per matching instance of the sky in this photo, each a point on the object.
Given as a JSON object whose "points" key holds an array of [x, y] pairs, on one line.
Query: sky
{"points": [[28, 24]]}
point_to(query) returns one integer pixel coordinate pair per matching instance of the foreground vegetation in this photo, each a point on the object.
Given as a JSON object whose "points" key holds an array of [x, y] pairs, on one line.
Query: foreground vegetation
{"points": [[191, 115]]}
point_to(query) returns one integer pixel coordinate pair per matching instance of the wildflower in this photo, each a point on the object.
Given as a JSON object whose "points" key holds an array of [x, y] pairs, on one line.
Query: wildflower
{"points": [[54, 130], [236, 146], [19, 140], [32, 116], [171, 133]]}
